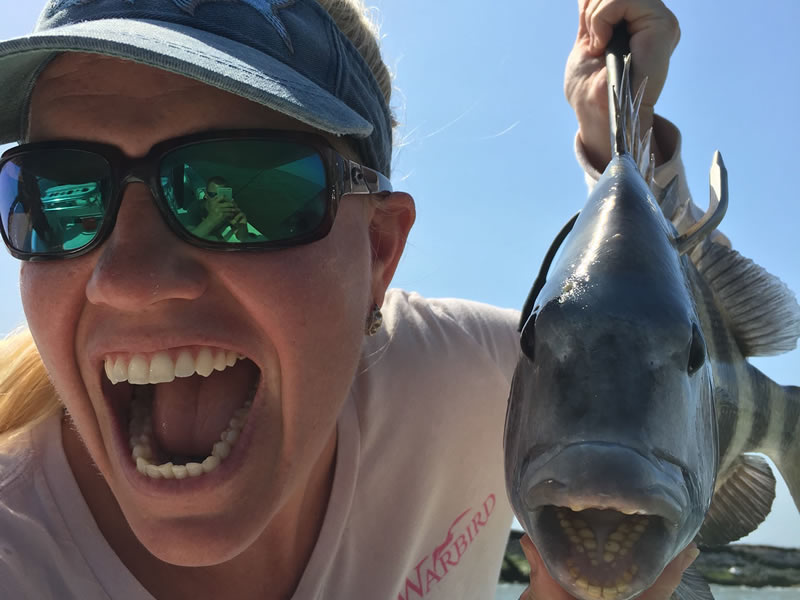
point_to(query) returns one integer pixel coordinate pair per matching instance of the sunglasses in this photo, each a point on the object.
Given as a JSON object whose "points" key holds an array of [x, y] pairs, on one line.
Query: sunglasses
{"points": [[61, 199]]}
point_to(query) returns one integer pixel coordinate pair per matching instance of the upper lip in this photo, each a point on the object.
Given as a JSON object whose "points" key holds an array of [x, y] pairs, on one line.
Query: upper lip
{"points": [[657, 502], [143, 341], [656, 488]]}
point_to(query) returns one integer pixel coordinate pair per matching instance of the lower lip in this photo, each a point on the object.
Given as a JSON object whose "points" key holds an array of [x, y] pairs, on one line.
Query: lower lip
{"points": [[190, 485]]}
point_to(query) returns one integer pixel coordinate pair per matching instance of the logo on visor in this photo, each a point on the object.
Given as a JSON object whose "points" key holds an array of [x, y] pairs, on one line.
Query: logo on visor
{"points": [[266, 8]]}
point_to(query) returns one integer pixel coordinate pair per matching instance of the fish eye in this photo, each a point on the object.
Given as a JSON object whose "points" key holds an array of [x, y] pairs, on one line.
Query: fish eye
{"points": [[697, 351]]}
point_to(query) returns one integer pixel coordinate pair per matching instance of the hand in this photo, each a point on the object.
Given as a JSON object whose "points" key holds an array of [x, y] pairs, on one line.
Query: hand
{"points": [[654, 32], [239, 225], [544, 587], [220, 211]]}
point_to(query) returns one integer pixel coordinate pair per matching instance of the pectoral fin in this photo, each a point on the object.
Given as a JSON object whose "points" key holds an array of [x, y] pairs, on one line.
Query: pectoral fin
{"points": [[692, 587], [741, 502], [760, 309]]}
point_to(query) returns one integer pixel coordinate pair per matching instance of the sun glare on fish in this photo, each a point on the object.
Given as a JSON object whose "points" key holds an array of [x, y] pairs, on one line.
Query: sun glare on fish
{"points": [[597, 240]]}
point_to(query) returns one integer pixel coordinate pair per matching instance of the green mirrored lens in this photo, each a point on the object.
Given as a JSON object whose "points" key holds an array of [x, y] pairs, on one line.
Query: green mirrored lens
{"points": [[53, 200], [246, 191]]}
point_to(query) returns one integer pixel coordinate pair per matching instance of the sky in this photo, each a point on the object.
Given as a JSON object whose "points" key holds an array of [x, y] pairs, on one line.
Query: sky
{"points": [[485, 145]]}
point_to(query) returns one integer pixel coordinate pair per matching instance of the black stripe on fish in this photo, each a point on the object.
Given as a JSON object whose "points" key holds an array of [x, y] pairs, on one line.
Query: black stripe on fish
{"points": [[727, 415], [761, 411], [791, 418]]}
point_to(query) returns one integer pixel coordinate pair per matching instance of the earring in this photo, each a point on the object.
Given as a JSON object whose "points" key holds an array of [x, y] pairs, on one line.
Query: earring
{"points": [[374, 320]]}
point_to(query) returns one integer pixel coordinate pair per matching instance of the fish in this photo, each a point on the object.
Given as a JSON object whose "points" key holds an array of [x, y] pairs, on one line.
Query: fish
{"points": [[635, 424]]}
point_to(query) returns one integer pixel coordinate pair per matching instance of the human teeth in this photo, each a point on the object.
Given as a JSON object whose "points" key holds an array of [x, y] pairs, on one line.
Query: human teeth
{"points": [[140, 451], [194, 469], [221, 450], [184, 366], [205, 362], [138, 370], [142, 443], [120, 372], [160, 368], [211, 463]]}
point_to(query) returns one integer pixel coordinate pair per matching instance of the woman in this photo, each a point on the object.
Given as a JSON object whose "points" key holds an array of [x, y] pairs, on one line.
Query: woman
{"points": [[221, 217], [233, 420]]}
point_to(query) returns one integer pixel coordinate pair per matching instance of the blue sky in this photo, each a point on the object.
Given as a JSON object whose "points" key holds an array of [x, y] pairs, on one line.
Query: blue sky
{"points": [[485, 144]]}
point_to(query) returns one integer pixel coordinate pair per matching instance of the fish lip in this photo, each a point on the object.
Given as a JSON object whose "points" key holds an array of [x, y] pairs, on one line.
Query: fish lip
{"points": [[565, 478], [654, 502]]}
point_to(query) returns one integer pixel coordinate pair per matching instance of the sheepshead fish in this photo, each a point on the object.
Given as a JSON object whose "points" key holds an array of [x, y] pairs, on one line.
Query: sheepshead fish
{"points": [[633, 412]]}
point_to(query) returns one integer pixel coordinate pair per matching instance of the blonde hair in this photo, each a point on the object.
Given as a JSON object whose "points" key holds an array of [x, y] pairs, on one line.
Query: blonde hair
{"points": [[26, 394]]}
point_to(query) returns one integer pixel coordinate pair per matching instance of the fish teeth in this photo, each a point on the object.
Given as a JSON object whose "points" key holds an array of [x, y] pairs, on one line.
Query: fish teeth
{"points": [[162, 367]]}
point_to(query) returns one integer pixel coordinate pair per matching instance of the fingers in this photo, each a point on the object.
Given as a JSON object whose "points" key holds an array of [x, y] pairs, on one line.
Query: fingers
{"points": [[223, 208], [542, 585], [669, 579], [583, 30], [651, 15]]}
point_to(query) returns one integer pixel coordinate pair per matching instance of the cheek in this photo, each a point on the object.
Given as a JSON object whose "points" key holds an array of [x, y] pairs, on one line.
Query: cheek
{"points": [[53, 296], [311, 303]]}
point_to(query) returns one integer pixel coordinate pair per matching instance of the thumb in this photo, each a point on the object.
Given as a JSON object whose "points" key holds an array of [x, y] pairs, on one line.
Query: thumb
{"points": [[543, 586]]}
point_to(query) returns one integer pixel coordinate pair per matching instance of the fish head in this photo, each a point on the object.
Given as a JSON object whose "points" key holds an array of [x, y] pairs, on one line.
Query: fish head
{"points": [[611, 436]]}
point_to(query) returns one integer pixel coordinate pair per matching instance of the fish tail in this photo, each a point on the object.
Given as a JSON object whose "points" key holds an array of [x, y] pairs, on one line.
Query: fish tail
{"points": [[787, 455]]}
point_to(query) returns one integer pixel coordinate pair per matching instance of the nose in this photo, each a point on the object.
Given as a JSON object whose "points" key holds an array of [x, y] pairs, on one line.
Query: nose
{"points": [[142, 262]]}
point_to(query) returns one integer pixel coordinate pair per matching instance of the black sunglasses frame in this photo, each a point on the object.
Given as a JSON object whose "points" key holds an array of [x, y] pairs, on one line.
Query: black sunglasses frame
{"points": [[342, 175]]}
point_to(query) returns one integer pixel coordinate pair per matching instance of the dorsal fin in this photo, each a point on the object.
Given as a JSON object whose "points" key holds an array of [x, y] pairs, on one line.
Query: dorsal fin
{"points": [[760, 309], [626, 111]]}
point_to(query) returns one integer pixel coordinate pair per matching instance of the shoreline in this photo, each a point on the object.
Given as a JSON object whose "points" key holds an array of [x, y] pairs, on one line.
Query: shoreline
{"points": [[734, 565]]}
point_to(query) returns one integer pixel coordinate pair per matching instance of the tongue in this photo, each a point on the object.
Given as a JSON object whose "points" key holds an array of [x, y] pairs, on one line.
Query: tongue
{"points": [[190, 414]]}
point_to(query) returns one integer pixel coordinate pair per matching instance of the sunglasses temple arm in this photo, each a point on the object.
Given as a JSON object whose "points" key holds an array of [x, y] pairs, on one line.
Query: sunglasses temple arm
{"points": [[359, 179]]}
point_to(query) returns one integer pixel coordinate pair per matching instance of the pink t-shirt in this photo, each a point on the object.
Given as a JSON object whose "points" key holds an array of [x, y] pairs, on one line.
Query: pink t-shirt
{"points": [[418, 507]]}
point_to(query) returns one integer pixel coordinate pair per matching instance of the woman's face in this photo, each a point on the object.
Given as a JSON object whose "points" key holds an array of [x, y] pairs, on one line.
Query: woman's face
{"points": [[297, 316]]}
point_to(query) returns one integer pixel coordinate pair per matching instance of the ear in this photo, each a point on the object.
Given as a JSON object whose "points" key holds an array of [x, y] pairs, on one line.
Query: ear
{"points": [[390, 223]]}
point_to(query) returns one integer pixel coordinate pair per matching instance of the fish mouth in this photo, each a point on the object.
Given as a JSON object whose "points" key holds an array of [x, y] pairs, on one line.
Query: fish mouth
{"points": [[605, 518], [599, 553]]}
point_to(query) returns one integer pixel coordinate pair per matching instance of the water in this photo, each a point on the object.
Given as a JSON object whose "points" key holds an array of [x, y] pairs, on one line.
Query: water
{"points": [[506, 591]]}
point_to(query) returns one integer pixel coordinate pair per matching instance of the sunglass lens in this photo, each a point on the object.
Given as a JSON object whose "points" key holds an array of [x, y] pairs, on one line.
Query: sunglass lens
{"points": [[53, 201], [246, 191]]}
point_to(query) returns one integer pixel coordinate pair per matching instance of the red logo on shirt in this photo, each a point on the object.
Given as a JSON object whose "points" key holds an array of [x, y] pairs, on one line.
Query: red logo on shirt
{"points": [[436, 565]]}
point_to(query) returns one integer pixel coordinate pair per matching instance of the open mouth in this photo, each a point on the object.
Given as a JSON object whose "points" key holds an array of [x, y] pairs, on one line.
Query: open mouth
{"points": [[598, 552], [182, 412]]}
